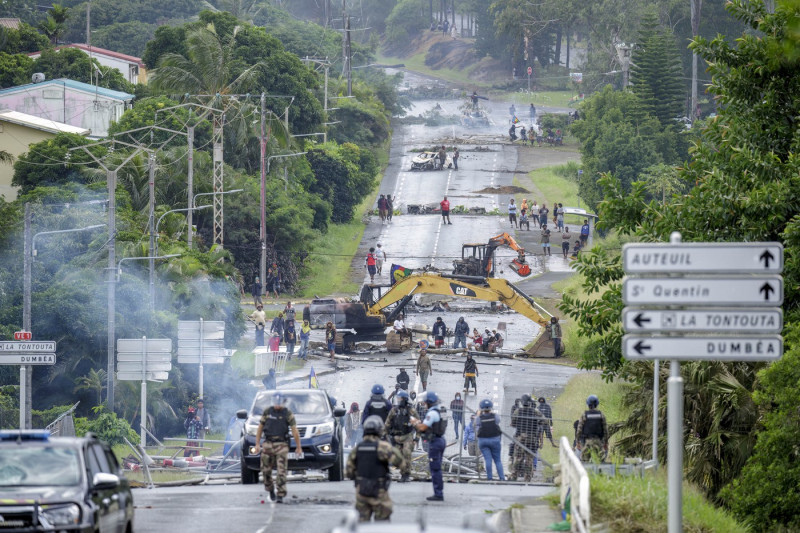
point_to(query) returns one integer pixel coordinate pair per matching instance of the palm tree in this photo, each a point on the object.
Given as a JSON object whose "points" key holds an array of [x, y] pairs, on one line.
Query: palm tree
{"points": [[95, 381], [53, 26]]}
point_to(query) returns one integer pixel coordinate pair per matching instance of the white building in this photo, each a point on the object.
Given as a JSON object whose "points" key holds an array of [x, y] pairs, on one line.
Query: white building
{"points": [[69, 102], [131, 67]]}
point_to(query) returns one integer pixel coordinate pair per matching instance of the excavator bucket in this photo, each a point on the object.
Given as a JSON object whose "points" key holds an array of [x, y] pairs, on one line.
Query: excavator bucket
{"points": [[543, 347], [523, 269]]}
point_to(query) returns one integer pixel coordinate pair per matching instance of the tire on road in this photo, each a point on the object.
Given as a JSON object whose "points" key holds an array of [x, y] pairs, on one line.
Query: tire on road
{"points": [[336, 472], [249, 477]]}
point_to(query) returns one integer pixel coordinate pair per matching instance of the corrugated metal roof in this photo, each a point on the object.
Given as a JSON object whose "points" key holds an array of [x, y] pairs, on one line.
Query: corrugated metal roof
{"points": [[10, 23], [23, 119], [72, 84]]}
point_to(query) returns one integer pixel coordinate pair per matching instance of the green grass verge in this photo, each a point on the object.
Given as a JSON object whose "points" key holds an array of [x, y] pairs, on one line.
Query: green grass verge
{"points": [[632, 504], [571, 404], [416, 63], [538, 98]]}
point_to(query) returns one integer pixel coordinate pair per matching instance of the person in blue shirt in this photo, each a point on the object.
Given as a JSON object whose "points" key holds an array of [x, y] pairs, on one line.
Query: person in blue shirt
{"points": [[434, 425], [469, 442], [487, 429]]}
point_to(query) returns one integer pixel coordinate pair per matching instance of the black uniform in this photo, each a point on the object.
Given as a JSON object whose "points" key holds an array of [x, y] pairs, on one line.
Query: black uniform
{"points": [[376, 405], [403, 379]]}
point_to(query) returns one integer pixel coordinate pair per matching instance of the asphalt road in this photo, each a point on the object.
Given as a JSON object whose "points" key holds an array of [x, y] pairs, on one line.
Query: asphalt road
{"points": [[312, 507]]}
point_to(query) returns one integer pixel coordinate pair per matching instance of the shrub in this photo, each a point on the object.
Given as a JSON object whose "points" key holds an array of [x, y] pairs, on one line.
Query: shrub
{"points": [[107, 427]]}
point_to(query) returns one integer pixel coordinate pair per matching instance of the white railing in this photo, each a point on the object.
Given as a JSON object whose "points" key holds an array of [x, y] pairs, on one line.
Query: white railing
{"points": [[574, 481], [266, 359]]}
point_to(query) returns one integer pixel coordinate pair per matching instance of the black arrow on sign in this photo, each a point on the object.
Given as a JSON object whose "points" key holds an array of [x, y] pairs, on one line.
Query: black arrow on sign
{"points": [[766, 288], [640, 347], [639, 320], [766, 257]]}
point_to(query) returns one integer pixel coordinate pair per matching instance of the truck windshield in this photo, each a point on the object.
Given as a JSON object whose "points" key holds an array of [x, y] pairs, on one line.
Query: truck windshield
{"points": [[35, 466], [300, 403]]}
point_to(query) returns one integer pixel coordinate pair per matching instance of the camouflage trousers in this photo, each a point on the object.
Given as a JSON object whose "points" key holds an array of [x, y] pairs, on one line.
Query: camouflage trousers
{"points": [[593, 451], [380, 506], [522, 465], [405, 443], [275, 456]]}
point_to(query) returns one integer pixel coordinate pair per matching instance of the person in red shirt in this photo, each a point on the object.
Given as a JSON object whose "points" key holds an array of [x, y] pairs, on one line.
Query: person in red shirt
{"points": [[371, 265], [445, 204]]}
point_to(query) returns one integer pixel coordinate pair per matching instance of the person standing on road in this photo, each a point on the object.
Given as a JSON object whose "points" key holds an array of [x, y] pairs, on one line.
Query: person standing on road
{"points": [[380, 257], [584, 233], [470, 374], [370, 263], [269, 381], [401, 432], [377, 404], [457, 410], [382, 208], [532, 113], [560, 217], [456, 155], [439, 332], [193, 428], [460, 332], [403, 379], [512, 212], [274, 426], [290, 335], [434, 426], [289, 313], [305, 336], [368, 465], [545, 240], [487, 428], [593, 432], [565, 237], [523, 220], [445, 205], [276, 280], [330, 339], [442, 157], [469, 441], [352, 425], [256, 292], [205, 418], [512, 111], [260, 320], [543, 212], [424, 368], [390, 203], [547, 424], [554, 328], [278, 326]]}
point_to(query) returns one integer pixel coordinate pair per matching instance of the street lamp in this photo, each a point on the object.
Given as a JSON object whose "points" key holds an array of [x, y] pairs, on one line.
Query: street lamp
{"points": [[25, 371], [194, 202], [119, 265], [181, 210], [263, 232]]}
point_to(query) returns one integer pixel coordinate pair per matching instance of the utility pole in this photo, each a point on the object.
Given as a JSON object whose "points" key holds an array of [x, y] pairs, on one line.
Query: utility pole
{"points": [[25, 371], [190, 183], [263, 228], [219, 186], [695, 20], [151, 224], [348, 57]]}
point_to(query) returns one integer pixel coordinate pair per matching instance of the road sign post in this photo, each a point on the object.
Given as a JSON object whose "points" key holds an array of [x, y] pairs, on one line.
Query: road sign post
{"points": [[143, 359], [530, 71], [698, 302]]}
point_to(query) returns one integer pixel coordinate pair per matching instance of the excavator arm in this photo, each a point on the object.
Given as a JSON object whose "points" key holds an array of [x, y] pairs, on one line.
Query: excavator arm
{"points": [[518, 265], [472, 287]]}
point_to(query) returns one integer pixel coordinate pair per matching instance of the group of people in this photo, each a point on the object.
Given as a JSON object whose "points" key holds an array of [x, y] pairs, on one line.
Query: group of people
{"points": [[197, 423], [273, 286], [385, 208], [283, 330], [539, 215], [374, 261]]}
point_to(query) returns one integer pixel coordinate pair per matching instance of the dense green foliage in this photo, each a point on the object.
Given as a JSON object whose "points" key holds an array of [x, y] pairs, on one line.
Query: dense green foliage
{"points": [[746, 174]]}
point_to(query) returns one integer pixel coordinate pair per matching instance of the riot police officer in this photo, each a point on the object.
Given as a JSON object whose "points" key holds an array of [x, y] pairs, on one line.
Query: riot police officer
{"points": [[434, 425], [401, 432], [592, 432], [368, 465], [376, 405], [276, 421], [526, 420]]}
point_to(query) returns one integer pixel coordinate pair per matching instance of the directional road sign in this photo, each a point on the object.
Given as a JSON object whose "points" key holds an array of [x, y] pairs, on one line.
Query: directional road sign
{"points": [[136, 366], [710, 257], [151, 357], [761, 291], [28, 359], [703, 348], [190, 329], [709, 320], [27, 346], [195, 359], [152, 345], [137, 376]]}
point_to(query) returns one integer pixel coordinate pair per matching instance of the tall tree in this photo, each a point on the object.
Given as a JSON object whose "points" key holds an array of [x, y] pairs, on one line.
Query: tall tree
{"points": [[656, 73]]}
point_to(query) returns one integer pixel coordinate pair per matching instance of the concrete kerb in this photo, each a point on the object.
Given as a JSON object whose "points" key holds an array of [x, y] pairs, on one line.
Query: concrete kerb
{"points": [[533, 518]]}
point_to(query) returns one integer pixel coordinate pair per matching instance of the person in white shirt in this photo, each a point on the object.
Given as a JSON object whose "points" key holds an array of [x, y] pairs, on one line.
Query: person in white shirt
{"points": [[380, 257]]}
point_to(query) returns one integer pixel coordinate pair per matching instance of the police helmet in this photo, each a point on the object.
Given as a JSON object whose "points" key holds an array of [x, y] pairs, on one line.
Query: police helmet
{"points": [[526, 399], [486, 404], [373, 425], [278, 399], [592, 401], [431, 397], [403, 395], [377, 389]]}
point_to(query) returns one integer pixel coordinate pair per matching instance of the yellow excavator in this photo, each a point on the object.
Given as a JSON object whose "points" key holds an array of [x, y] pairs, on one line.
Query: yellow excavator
{"points": [[478, 259], [368, 319]]}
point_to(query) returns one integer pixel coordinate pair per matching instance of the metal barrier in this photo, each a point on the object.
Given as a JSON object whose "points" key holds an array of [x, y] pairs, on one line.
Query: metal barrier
{"points": [[575, 483], [265, 359]]}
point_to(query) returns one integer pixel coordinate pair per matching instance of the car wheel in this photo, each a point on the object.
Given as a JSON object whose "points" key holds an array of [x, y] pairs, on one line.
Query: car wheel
{"points": [[336, 472], [249, 477]]}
